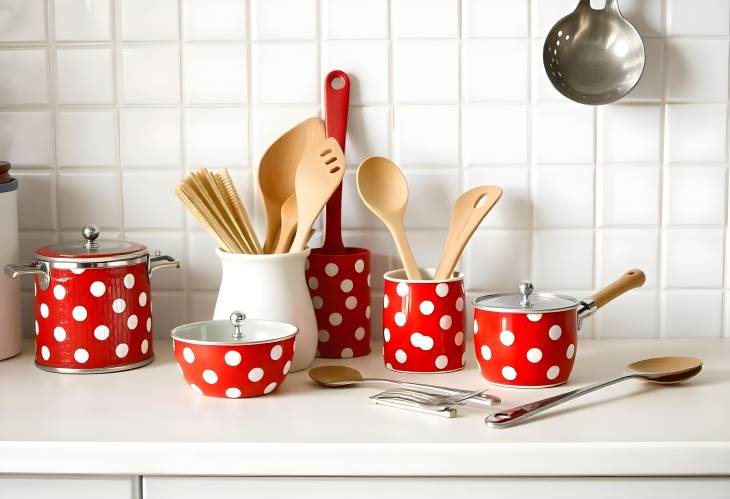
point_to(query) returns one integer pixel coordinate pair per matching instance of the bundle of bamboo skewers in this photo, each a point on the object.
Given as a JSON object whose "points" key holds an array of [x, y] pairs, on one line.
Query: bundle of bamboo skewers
{"points": [[212, 198]]}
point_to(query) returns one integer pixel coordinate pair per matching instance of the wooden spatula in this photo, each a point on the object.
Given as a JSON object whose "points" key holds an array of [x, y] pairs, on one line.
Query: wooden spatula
{"points": [[319, 174], [468, 212]]}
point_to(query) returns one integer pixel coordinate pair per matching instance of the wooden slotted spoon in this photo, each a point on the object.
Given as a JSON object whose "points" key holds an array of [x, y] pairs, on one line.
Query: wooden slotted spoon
{"points": [[468, 212], [384, 191], [277, 171], [662, 370], [319, 174]]}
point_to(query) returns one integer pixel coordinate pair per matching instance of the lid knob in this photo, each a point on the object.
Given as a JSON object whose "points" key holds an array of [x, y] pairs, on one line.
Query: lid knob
{"points": [[90, 232], [526, 288], [237, 319]]}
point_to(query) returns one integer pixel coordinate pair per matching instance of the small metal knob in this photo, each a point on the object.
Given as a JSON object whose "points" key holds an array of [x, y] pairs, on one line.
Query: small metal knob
{"points": [[237, 319], [526, 288], [90, 232]]}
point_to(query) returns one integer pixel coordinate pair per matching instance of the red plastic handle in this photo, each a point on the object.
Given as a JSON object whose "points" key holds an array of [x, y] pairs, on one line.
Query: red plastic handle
{"points": [[337, 103]]}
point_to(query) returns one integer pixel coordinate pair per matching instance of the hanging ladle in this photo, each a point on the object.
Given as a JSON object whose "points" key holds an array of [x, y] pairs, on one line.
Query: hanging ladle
{"points": [[594, 56]]}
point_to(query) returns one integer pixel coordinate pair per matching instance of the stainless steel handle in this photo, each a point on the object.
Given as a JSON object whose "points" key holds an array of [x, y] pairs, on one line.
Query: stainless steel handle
{"points": [[483, 399], [18, 270], [515, 415], [167, 260], [448, 412]]}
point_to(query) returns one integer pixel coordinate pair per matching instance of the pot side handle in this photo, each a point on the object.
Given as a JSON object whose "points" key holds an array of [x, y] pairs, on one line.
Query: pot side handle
{"points": [[158, 262], [19, 270], [631, 279]]}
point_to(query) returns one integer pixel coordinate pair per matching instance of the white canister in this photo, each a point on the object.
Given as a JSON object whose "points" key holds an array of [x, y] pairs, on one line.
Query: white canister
{"points": [[10, 330], [270, 287]]}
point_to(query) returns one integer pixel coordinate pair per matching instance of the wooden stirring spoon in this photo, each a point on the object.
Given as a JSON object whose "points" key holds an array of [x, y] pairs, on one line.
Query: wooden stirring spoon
{"points": [[663, 370], [337, 376], [277, 170], [384, 191], [468, 212], [288, 224], [319, 174]]}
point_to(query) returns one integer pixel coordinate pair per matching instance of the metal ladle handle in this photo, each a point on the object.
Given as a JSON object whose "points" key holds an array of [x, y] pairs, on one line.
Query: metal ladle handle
{"points": [[237, 319]]}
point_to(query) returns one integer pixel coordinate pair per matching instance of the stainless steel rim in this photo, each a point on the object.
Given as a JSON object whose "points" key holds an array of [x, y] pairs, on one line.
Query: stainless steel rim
{"points": [[487, 308], [94, 370], [99, 262]]}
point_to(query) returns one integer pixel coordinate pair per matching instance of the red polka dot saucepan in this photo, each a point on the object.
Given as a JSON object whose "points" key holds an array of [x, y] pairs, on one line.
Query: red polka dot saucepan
{"points": [[423, 323], [530, 339], [234, 358], [92, 304]]}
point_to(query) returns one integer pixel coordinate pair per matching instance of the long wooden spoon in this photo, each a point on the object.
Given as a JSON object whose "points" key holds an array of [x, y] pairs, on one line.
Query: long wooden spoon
{"points": [[278, 168], [319, 174], [288, 224], [336, 376], [468, 212], [384, 191], [663, 370]]}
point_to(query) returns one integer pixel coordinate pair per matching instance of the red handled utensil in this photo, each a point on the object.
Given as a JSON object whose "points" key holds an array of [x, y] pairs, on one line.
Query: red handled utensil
{"points": [[339, 277]]}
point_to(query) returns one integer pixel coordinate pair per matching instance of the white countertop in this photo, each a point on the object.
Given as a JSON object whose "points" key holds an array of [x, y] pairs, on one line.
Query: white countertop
{"points": [[147, 421]]}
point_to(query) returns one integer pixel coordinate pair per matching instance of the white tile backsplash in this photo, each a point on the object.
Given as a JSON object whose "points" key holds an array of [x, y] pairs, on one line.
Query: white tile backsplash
{"points": [[23, 21], [84, 76], [104, 104]]}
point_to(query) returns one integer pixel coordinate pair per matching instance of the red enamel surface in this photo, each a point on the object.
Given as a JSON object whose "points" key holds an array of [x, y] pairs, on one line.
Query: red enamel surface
{"points": [[64, 341], [424, 326], [514, 350], [234, 371], [340, 289]]}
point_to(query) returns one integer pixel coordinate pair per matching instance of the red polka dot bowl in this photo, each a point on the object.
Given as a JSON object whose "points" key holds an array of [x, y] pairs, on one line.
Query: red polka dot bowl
{"points": [[339, 285], [234, 358], [529, 340], [92, 304], [423, 323]]}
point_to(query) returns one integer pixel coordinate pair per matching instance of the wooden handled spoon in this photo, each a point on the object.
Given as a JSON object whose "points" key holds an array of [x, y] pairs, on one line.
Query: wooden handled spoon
{"points": [[288, 224], [277, 170], [384, 191], [468, 212], [337, 376], [663, 370], [319, 174]]}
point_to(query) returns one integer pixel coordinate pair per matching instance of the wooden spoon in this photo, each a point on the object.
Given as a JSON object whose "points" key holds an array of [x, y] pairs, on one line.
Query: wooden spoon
{"points": [[277, 170], [336, 376], [319, 174], [288, 224], [468, 212], [384, 191], [662, 370]]}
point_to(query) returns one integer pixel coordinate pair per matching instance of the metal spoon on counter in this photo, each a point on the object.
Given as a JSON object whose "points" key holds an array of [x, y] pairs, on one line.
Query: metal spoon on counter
{"points": [[337, 376], [594, 56], [662, 370]]}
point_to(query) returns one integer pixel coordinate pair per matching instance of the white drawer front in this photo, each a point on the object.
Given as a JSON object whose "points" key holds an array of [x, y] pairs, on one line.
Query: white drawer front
{"points": [[68, 487], [434, 488]]}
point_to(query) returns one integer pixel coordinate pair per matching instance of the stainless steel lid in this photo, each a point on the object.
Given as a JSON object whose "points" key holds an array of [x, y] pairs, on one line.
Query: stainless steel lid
{"points": [[525, 301], [236, 331], [91, 249]]}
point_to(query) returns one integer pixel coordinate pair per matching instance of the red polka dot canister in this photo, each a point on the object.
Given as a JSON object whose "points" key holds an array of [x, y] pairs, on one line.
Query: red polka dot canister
{"points": [[423, 323], [92, 304], [339, 285], [236, 358], [529, 340]]}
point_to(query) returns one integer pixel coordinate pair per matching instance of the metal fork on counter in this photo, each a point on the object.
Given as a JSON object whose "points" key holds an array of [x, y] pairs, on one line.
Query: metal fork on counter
{"points": [[425, 402]]}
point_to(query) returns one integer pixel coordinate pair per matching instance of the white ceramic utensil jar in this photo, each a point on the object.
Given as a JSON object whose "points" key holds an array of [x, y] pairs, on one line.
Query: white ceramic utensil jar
{"points": [[271, 287]]}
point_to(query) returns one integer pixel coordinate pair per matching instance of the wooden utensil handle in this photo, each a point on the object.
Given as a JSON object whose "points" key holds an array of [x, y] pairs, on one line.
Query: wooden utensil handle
{"points": [[406, 255], [337, 102], [633, 278]]}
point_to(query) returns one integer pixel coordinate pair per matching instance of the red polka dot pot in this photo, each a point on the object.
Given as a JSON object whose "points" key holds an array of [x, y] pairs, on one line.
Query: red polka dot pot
{"points": [[529, 340], [234, 359], [423, 323], [339, 285], [92, 304]]}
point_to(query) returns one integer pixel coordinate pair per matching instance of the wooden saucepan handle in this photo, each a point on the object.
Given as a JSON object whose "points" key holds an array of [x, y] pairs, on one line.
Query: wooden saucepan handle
{"points": [[631, 279]]}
